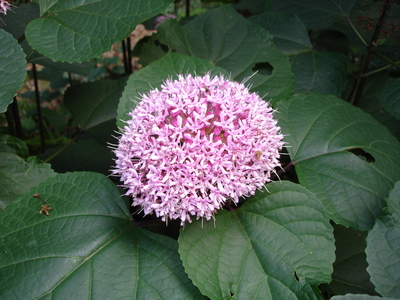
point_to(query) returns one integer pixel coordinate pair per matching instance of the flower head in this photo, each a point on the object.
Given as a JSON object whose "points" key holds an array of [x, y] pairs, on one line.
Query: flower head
{"points": [[4, 6], [160, 19], [194, 144]]}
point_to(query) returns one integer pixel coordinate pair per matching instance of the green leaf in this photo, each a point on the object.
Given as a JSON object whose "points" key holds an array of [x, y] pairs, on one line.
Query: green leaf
{"points": [[155, 74], [350, 268], [78, 68], [228, 40], [12, 68], [383, 248], [11, 144], [79, 157], [315, 14], [74, 32], [86, 248], [341, 154], [390, 98], [17, 175], [360, 297], [289, 32], [370, 102], [96, 102], [272, 247], [15, 24], [320, 72]]}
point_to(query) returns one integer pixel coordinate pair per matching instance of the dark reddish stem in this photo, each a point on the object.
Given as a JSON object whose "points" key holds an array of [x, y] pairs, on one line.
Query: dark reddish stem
{"points": [[39, 108], [356, 93]]}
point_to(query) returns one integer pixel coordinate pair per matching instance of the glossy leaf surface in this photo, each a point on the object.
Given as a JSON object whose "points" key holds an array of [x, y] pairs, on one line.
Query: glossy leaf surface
{"points": [[18, 172], [320, 72], [75, 31], [341, 154], [228, 40], [86, 247], [272, 247], [390, 98], [383, 248], [12, 68], [94, 103], [315, 14]]}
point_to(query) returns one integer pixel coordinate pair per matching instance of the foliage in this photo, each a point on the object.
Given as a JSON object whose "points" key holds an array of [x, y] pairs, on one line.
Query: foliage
{"points": [[327, 228]]}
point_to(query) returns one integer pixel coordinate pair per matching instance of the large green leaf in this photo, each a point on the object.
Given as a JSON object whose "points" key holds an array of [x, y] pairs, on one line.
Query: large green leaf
{"points": [[75, 31], [11, 144], [15, 24], [320, 72], [90, 152], [229, 41], [370, 102], [342, 155], [390, 98], [86, 248], [12, 68], [360, 297], [350, 268], [289, 32], [17, 175], [315, 14], [272, 247], [314, 71], [95, 102], [155, 74], [383, 248]]}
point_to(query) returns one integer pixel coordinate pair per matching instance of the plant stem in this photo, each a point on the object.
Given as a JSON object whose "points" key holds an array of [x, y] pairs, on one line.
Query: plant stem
{"points": [[39, 109], [356, 31], [358, 87], [187, 8], [10, 121], [129, 54], [13, 119], [382, 69], [125, 58], [71, 83], [17, 119]]}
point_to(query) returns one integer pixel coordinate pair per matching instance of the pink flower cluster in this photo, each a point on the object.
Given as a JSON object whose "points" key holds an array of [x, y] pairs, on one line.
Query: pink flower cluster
{"points": [[194, 144], [4, 6], [160, 19]]}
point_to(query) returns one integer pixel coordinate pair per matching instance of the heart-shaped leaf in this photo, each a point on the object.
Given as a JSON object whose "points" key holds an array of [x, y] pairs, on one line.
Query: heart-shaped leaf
{"points": [[360, 297], [289, 32], [343, 155], [18, 172], [272, 247], [15, 24], [370, 102], [350, 268], [383, 248], [229, 41], [86, 247], [155, 74], [12, 68], [390, 98], [11, 144], [315, 14], [74, 32], [94, 103], [320, 72]]}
